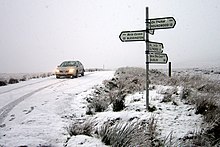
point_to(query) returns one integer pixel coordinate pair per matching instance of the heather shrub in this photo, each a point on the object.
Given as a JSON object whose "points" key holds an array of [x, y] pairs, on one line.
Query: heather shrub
{"points": [[186, 92], [118, 104], [130, 79], [167, 98], [208, 106], [205, 105], [157, 78], [118, 101], [151, 108], [208, 137], [209, 87], [213, 130], [97, 105], [13, 81], [126, 81], [24, 78], [3, 83], [80, 128], [195, 139]]}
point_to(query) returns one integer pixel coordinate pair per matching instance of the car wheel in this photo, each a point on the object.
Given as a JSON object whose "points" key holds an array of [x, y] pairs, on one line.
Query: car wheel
{"points": [[82, 74], [57, 76]]}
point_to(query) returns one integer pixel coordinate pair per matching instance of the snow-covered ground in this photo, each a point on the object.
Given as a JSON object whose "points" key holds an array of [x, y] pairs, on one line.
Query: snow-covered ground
{"points": [[37, 112], [172, 120], [209, 73]]}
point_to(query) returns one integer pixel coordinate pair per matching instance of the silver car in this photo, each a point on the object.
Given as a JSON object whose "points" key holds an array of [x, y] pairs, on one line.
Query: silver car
{"points": [[70, 69]]}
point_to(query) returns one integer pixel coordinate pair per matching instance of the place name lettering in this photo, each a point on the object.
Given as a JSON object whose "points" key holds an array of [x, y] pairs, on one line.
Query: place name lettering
{"points": [[133, 36], [162, 23], [157, 58]]}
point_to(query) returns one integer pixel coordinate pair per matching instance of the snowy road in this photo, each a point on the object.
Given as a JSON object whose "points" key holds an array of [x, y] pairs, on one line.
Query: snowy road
{"points": [[35, 112]]}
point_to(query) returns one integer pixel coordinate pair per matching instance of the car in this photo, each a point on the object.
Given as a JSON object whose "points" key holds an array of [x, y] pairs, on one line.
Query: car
{"points": [[71, 69]]}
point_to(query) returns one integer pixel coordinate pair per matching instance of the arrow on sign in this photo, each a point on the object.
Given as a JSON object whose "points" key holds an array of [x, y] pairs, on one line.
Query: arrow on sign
{"points": [[157, 58], [155, 47], [161, 23], [126, 36]]}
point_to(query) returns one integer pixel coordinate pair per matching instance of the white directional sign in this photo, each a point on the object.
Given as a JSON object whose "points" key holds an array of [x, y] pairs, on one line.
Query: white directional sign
{"points": [[155, 47], [161, 23], [157, 58], [126, 36]]}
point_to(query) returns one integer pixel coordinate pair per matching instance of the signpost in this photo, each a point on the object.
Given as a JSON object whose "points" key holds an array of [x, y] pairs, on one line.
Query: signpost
{"points": [[161, 23], [153, 49], [157, 58], [127, 36]]}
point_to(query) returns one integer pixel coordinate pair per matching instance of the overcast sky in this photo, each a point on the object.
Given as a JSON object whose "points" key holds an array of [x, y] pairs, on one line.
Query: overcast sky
{"points": [[37, 35]]}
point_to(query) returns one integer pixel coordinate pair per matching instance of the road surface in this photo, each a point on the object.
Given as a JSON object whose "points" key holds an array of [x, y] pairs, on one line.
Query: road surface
{"points": [[37, 112]]}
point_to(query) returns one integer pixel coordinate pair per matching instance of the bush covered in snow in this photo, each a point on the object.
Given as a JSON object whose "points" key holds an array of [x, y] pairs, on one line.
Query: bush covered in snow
{"points": [[3, 83], [12, 81]]}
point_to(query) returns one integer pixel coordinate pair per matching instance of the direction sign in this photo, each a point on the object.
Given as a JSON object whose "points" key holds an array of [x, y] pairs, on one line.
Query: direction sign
{"points": [[161, 23], [155, 47], [126, 36], [157, 58]]}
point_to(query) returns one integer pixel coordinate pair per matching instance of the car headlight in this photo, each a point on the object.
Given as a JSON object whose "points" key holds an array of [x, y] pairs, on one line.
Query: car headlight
{"points": [[57, 70], [71, 70]]}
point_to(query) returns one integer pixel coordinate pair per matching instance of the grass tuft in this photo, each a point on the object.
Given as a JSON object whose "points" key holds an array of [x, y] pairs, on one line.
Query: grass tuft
{"points": [[130, 133], [78, 128]]}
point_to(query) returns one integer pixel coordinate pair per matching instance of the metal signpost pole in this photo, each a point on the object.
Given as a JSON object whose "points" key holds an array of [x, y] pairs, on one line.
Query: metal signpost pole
{"points": [[169, 69], [147, 60]]}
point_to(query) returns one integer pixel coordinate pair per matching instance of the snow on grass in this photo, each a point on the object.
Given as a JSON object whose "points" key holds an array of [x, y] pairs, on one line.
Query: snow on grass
{"points": [[84, 141], [45, 117], [178, 120]]}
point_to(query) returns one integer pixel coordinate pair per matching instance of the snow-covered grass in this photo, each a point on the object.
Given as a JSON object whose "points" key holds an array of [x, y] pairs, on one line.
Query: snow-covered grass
{"points": [[185, 112], [176, 102], [178, 120]]}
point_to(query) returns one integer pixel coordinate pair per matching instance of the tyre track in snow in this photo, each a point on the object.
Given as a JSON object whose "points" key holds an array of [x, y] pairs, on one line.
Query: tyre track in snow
{"points": [[7, 108], [82, 83]]}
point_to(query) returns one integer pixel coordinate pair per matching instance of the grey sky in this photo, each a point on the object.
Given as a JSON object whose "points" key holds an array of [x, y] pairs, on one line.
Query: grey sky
{"points": [[37, 35]]}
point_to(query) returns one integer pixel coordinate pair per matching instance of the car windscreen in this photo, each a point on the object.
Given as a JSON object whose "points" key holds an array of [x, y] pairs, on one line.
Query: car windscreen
{"points": [[68, 63]]}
